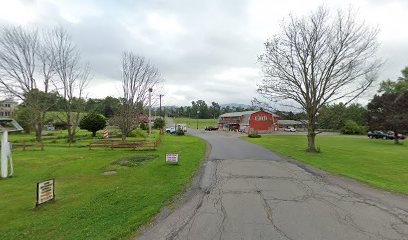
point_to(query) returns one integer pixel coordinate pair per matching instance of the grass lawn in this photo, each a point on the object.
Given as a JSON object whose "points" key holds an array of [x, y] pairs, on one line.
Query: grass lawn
{"points": [[379, 163], [90, 205], [192, 122]]}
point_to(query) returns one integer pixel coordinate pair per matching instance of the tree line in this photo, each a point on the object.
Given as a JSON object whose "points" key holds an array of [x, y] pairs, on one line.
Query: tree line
{"points": [[200, 109]]}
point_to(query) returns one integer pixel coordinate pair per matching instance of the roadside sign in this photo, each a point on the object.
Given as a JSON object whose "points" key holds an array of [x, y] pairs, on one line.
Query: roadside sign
{"points": [[45, 191], [172, 158]]}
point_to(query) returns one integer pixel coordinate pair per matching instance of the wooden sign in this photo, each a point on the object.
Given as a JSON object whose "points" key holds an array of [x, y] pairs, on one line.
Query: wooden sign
{"points": [[172, 158], [45, 191]]}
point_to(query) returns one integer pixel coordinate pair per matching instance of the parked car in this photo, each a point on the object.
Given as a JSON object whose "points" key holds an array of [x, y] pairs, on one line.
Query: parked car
{"points": [[171, 130], [388, 135], [290, 129], [211, 128]]}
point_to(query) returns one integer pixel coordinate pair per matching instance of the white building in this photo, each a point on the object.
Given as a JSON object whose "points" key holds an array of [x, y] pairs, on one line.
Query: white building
{"points": [[7, 107]]}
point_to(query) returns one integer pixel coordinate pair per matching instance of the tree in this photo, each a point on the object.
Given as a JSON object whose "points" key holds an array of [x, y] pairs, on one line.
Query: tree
{"points": [[316, 60], [138, 76], [72, 75], [389, 111], [159, 123], [93, 122], [27, 66], [400, 85]]}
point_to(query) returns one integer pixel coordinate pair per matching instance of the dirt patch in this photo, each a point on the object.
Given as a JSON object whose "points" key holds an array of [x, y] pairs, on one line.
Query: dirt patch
{"points": [[134, 160]]}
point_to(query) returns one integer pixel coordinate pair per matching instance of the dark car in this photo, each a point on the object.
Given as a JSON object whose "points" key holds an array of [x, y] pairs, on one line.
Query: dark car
{"points": [[384, 135], [211, 128]]}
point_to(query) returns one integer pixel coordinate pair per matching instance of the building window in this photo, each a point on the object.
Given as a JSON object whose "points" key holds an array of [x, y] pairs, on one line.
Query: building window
{"points": [[7, 105], [261, 118], [7, 114], [1, 114]]}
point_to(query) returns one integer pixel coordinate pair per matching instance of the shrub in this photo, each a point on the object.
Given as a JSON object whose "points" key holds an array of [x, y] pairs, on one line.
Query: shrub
{"points": [[137, 133], [144, 126], [254, 135], [159, 123], [351, 127], [180, 132], [93, 122]]}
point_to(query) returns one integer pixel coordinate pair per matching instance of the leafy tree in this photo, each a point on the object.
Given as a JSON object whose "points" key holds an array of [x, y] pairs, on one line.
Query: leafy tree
{"points": [[159, 123], [351, 127], [400, 85], [389, 112], [93, 122]]}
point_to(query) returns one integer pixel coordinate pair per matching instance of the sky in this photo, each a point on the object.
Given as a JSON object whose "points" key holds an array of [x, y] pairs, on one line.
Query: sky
{"points": [[204, 49]]}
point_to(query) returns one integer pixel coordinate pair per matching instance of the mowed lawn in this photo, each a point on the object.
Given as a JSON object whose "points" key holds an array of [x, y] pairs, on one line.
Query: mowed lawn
{"points": [[379, 163], [192, 123], [90, 205]]}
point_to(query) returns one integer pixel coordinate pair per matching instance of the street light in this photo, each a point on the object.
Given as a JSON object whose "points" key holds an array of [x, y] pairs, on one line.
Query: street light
{"points": [[197, 118]]}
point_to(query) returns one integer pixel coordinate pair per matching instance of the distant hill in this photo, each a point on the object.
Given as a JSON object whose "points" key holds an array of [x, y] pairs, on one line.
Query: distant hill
{"points": [[235, 105]]}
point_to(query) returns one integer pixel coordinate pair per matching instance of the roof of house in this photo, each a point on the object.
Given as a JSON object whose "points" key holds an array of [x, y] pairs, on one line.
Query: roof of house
{"points": [[240, 114], [291, 122]]}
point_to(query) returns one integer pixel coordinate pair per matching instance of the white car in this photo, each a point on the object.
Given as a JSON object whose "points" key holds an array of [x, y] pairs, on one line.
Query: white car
{"points": [[290, 129]]}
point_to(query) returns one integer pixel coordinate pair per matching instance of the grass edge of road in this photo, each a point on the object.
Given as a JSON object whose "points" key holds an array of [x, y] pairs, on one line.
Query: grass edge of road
{"points": [[377, 163], [177, 200]]}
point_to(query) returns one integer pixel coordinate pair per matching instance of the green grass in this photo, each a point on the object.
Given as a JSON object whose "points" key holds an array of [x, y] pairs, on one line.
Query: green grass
{"points": [[192, 123], [379, 163], [90, 205]]}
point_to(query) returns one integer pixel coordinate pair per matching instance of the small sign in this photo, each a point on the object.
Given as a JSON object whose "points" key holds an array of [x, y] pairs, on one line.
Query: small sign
{"points": [[45, 191], [172, 158]]}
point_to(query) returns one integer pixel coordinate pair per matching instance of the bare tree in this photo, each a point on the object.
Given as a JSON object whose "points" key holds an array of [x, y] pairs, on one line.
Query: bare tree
{"points": [[73, 77], [138, 75], [26, 70], [319, 59]]}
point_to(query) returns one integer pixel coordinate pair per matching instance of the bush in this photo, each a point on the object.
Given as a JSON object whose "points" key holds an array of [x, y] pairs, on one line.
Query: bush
{"points": [[180, 132], [144, 126], [137, 133], [159, 123], [61, 125], [351, 127], [254, 135], [93, 122]]}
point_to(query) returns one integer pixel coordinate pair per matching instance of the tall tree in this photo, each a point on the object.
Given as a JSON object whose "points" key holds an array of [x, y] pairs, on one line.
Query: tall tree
{"points": [[72, 76], [138, 76], [27, 66], [400, 85], [389, 111], [319, 59]]}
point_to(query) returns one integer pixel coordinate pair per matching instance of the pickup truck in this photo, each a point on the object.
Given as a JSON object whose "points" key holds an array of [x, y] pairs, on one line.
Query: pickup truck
{"points": [[171, 130]]}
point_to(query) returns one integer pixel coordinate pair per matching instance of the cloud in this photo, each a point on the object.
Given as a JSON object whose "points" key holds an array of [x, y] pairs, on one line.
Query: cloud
{"points": [[205, 50]]}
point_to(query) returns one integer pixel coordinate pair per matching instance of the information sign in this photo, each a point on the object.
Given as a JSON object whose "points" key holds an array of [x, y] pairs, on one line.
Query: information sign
{"points": [[172, 158], [45, 191]]}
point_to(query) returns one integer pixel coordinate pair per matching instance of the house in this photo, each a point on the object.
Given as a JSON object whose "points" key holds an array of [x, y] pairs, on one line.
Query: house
{"points": [[249, 121], [7, 107]]}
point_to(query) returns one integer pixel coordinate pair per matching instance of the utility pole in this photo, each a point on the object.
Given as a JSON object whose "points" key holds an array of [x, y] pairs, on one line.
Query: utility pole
{"points": [[150, 114], [160, 112]]}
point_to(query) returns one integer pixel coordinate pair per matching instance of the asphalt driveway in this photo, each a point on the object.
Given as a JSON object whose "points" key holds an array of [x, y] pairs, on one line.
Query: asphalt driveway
{"points": [[248, 192]]}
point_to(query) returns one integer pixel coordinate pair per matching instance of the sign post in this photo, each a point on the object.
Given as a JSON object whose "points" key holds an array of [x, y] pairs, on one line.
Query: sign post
{"points": [[45, 191], [172, 158]]}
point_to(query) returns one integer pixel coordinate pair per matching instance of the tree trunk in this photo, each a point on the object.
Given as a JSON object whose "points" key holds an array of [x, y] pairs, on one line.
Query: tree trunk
{"points": [[311, 135], [124, 134], [311, 146], [396, 140], [94, 134]]}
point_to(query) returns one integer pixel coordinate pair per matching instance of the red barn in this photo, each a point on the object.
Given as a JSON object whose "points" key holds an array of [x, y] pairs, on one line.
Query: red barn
{"points": [[249, 121]]}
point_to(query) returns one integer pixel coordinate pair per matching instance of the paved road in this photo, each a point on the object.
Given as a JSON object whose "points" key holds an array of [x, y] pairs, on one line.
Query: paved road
{"points": [[247, 192]]}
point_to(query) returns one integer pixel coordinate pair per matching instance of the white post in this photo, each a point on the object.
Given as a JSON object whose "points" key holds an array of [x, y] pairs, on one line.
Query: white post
{"points": [[150, 114], [4, 154]]}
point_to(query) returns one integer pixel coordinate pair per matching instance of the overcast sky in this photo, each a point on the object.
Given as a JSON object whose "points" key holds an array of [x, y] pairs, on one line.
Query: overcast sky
{"points": [[204, 49]]}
